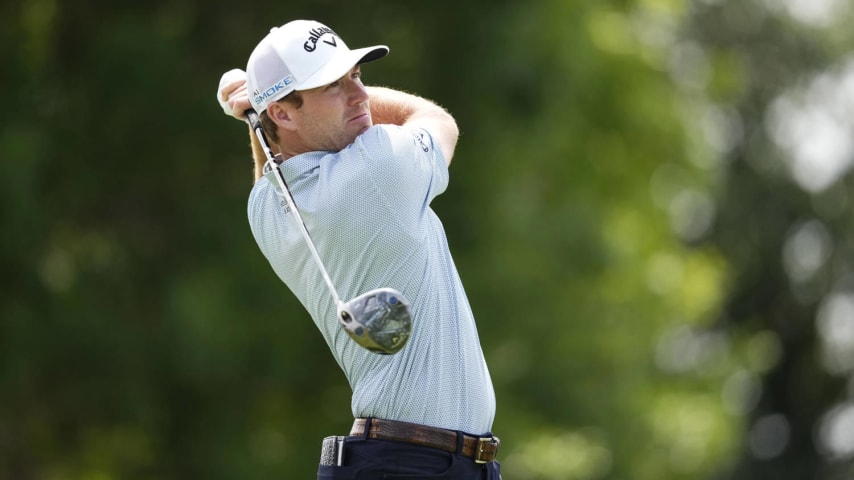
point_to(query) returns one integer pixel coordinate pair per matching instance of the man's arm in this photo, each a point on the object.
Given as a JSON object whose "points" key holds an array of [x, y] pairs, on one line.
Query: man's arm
{"points": [[258, 155], [234, 100], [399, 108]]}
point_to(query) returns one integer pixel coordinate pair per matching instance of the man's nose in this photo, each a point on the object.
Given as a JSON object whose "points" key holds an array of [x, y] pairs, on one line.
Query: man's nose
{"points": [[358, 92]]}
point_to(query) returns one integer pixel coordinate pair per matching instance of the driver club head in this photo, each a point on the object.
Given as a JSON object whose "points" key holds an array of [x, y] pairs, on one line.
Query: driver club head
{"points": [[379, 320]]}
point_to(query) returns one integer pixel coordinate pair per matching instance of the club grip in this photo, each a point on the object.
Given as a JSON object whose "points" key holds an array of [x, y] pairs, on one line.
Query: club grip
{"points": [[254, 120]]}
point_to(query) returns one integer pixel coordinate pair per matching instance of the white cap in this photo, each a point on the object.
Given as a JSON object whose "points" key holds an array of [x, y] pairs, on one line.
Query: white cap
{"points": [[300, 55]]}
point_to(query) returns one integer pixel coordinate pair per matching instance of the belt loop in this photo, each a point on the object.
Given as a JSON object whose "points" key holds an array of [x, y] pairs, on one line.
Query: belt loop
{"points": [[460, 442], [367, 431]]}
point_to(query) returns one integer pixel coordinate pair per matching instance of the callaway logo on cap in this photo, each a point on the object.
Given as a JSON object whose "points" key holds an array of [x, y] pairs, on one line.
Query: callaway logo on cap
{"points": [[300, 55], [315, 35]]}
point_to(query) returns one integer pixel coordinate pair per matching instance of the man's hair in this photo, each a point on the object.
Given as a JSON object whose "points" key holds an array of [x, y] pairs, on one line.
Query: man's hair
{"points": [[295, 99]]}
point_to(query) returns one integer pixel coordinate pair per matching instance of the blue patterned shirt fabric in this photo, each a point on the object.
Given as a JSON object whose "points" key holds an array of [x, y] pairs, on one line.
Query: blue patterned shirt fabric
{"points": [[367, 209]]}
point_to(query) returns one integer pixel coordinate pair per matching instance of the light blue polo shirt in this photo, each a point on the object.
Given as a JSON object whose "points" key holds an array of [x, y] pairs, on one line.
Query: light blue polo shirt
{"points": [[367, 208]]}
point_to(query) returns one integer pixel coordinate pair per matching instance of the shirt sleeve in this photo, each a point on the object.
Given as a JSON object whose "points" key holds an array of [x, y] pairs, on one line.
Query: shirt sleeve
{"points": [[405, 164], [258, 212]]}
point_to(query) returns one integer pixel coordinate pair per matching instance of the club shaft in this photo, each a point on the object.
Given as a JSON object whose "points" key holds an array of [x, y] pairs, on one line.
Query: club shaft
{"points": [[259, 132]]}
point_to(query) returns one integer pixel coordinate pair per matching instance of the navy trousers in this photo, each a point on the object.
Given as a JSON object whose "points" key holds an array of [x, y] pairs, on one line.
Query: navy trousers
{"points": [[370, 459]]}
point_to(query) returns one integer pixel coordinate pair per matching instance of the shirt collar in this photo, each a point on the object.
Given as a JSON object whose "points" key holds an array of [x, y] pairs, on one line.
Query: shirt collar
{"points": [[295, 166]]}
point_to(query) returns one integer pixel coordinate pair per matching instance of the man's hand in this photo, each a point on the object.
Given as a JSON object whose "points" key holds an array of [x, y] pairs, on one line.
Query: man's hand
{"points": [[232, 95]]}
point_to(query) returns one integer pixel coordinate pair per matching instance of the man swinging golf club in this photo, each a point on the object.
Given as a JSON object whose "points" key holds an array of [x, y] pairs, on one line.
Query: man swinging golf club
{"points": [[344, 179]]}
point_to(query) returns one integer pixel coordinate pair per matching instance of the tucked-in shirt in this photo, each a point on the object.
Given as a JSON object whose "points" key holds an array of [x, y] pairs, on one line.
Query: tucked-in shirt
{"points": [[367, 209]]}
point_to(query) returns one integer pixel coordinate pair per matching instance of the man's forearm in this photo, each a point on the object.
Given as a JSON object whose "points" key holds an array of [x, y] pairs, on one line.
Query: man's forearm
{"points": [[395, 107], [258, 155], [398, 108]]}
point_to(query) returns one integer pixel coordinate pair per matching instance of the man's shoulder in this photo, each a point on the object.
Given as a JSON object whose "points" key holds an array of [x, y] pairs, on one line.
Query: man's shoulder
{"points": [[378, 135], [260, 185], [394, 138], [260, 197]]}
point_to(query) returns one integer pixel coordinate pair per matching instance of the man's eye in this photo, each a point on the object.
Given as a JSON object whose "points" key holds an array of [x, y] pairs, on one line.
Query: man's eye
{"points": [[333, 84]]}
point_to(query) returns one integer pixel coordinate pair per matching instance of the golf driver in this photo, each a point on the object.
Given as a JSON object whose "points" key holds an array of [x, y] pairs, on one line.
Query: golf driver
{"points": [[379, 320]]}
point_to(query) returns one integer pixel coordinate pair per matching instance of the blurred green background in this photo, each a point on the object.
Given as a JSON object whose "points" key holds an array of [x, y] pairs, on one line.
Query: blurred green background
{"points": [[650, 207]]}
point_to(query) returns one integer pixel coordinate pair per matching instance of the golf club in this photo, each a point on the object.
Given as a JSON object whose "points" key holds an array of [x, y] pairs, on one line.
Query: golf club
{"points": [[379, 320]]}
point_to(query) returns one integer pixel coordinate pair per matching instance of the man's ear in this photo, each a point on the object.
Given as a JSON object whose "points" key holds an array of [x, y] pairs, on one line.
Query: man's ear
{"points": [[281, 115]]}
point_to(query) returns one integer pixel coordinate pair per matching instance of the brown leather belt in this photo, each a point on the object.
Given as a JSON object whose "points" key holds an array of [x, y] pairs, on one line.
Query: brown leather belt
{"points": [[479, 449]]}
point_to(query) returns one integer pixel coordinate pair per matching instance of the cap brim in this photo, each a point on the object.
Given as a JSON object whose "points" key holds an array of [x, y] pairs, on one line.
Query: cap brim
{"points": [[341, 64]]}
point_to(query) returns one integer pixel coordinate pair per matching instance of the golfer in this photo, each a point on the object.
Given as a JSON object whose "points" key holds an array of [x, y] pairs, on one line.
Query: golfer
{"points": [[363, 164]]}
